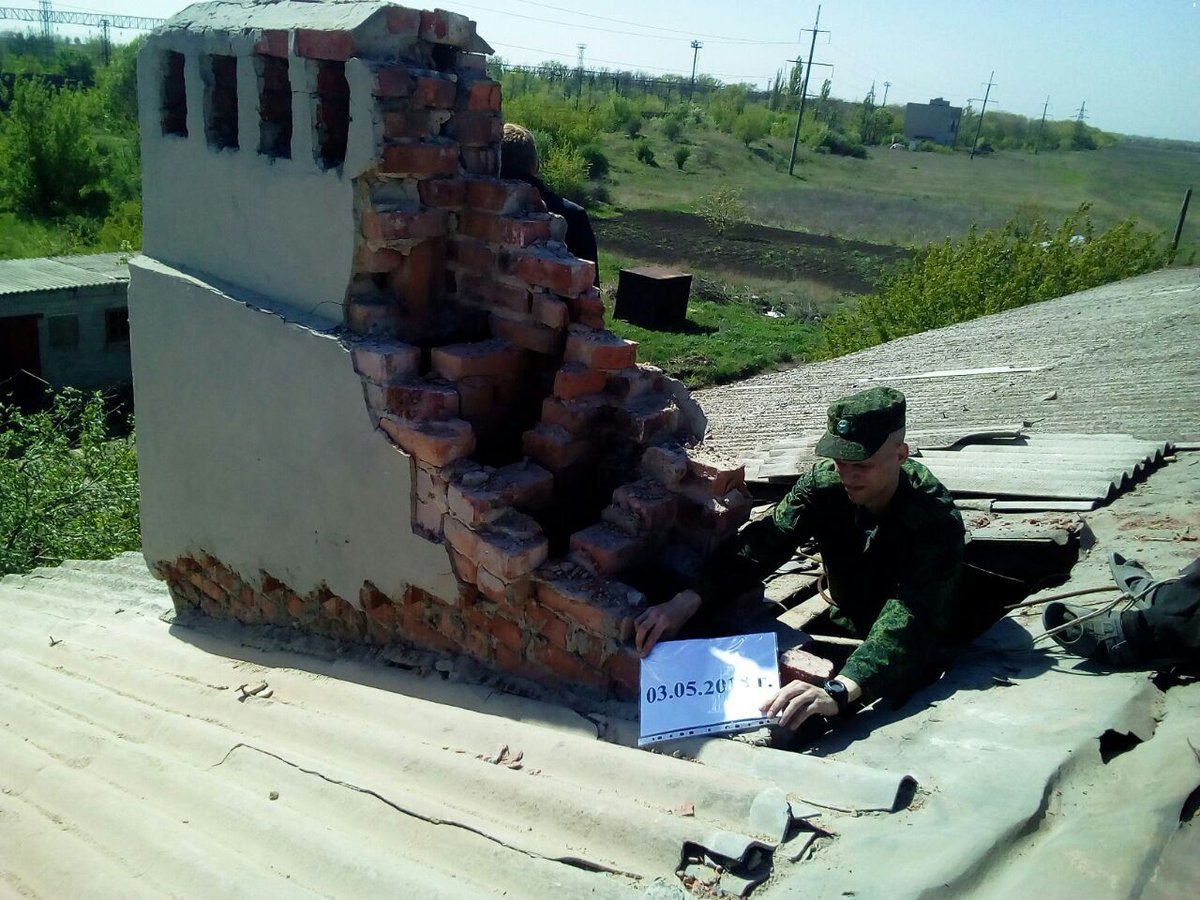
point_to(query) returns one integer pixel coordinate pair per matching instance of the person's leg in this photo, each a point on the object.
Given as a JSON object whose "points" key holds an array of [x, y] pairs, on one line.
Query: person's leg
{"points": [[1170, 627]]}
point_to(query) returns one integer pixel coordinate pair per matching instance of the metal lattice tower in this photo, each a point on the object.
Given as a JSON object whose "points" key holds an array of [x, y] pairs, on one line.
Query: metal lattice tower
{"points": [[47, 13]]}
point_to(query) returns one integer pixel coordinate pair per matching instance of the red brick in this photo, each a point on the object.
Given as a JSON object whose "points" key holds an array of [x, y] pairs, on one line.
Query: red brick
{"points": [[648, 419], [568, 666], [500, 230], [476, 395], [500, 196], [562, 274], [437, 93], [625, 668], [375, 316], [443, 192], [587, 309], [508, 633], [335, 45], [464, 569], [713, 473], [664, 464], [628, 384], [397, 225], [409, 123], [524, 485], [719, 515], [438, 442], [273, 42], [475, 129], [414, 399], [377, 260], [393, 81], [510, 593], [484, 161], [625, 519], [489, 291], [653, 504], [386, 362], [404, 22], [441, 27], [512, 546], [606, 549], [474, 256], [800, 665], [420, 159], [483, 95], [475, 506], [546, 623], [526, 333], [576, 416], [554, 447], [577, 380], [599, 349], [550, 311], [428, 519], [419, 283], [487, 358]]}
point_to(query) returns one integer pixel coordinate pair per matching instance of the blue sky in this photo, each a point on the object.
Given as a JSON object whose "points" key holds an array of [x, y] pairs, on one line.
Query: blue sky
{"points": [[1135, 63]]}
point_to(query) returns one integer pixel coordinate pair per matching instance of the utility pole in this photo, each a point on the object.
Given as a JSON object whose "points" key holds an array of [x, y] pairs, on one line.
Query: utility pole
{"points": [[812, 49], [579, 91], [105, 47], [886, 85], [696, 45], [1041, 128], [983, 109]]}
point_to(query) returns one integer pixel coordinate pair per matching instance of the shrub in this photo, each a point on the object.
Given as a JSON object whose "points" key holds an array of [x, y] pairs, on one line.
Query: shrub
{"points": [[643, 152], [672, 129], [633, 126], [682, 155], [841, 145], [565, 170], [991, 271], [596, 160], [722, 209], [66, 490], [753, 124]]}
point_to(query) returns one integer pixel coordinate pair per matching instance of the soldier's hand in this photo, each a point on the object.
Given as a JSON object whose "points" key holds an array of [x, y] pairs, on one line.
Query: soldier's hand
{"points": [[664, 621], [798, 700]]}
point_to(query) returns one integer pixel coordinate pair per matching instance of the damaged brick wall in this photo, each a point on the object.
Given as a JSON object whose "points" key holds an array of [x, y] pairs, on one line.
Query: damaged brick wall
{"points": [[550, 464]]}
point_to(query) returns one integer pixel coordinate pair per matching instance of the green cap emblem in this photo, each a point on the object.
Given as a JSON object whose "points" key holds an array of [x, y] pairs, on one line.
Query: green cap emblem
{"points": [[842, 426]]}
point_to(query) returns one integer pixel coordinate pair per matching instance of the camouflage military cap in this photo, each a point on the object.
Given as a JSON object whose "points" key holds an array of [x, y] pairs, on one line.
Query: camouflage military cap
{"points": [[860, 423]]}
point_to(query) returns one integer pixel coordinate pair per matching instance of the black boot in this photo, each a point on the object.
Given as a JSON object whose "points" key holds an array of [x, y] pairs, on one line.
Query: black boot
{"points": [[1100, 637], [1133, 579]]}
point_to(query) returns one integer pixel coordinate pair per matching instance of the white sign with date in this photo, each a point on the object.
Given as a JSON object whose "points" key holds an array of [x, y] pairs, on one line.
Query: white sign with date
{"points": [[699, 687]]}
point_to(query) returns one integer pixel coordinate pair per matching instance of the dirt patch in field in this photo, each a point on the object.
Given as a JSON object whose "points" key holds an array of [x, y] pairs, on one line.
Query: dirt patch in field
{"points": [[678, 238]]}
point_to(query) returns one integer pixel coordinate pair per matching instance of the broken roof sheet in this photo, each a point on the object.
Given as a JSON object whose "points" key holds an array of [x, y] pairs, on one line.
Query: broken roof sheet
{"points": [[57, 273], [1118, 359]]}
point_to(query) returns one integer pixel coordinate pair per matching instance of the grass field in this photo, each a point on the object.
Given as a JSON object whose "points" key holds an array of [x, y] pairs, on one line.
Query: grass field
{"points": [[908, 198]]}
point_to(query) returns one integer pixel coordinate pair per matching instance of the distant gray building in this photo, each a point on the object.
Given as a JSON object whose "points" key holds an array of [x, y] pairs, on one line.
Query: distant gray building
{"points": [[63, 322], [935, 121]]}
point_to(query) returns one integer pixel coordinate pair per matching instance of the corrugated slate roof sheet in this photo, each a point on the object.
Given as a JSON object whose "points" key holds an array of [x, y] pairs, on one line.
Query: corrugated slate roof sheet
{"points": [[29, 276], [1119, 359]]}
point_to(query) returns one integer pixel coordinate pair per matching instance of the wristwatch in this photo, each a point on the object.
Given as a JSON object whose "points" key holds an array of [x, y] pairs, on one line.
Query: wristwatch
{"points": [[841, 697]]}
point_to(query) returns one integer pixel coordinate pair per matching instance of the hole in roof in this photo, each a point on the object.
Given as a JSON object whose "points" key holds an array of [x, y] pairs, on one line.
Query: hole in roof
{"points": [[1114, 743]]}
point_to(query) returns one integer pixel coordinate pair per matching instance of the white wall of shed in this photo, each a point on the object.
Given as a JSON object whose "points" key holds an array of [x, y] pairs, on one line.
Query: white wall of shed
{"points": [[255, 445]]}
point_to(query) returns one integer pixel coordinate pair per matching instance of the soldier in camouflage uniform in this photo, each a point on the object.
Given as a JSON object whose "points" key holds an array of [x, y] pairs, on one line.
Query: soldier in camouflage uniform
{"points": [[892, 545]]}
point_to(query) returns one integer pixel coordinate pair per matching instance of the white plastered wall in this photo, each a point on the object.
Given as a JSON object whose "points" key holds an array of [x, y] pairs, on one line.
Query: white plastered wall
{"points": [[255, 445], [281, 227]]}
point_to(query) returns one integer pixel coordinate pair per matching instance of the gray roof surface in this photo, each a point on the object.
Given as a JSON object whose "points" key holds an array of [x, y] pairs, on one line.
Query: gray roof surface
{"points": [[57, 273], [130, 767], [1118, 359]]}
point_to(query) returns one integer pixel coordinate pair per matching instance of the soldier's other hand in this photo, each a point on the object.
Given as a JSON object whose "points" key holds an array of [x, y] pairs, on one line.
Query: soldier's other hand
{"points": [[798, 700], [663, 622]]}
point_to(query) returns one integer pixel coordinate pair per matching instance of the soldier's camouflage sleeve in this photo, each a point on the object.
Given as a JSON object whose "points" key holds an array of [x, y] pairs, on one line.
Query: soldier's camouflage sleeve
{"points": [[761, 547], [910, 631]]}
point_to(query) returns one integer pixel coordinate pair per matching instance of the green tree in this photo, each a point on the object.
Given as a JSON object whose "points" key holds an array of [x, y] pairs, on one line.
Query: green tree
{"points": [[48, 160], [67, 491]]}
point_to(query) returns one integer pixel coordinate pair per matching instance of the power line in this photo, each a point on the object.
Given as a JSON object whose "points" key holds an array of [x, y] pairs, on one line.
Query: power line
{"points": [[512, 15], [45, 15], [633, 67], [812, 49], [979, 126], [696, 45]]}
